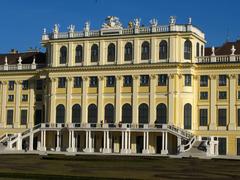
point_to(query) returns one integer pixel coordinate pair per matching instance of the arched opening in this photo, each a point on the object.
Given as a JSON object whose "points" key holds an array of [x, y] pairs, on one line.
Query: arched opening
{"points": [[188, 116], [161, 114], [145, 54], [94, 53], [109, 114], [92, 114], [76, 113], [63, 55], [188, 50], [111, 53], [163, 50], [127, 113], [143, 114], [60, 114], [79, 54], [128, 52], [197, 50]]}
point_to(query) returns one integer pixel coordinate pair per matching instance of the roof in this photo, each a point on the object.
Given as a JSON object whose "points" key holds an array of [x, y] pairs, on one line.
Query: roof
{"points": [[225, 49], [27, 58]]}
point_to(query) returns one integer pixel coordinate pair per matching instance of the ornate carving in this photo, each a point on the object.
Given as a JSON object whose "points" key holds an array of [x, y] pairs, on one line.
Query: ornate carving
{"points": [[135, 77], [4, 82], [213, 76], [119, 77], [154, 22], [232, 76], [56, 29], [71, 28], [69, 78], [101, 78], [53, 79], [137, 22], [85, 78], [153, 76], [112, 22], [171, 76], [195, 77], [87, 26]]}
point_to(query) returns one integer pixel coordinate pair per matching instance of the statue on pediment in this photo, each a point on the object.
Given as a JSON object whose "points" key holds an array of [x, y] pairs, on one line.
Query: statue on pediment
{"points": [[112, 22]]}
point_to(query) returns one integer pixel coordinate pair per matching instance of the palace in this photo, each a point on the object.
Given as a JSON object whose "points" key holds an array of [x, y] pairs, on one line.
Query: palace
{"points": [[139, 89]]}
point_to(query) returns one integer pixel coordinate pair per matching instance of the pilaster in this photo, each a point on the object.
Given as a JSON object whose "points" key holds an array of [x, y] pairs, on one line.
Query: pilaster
{"points": [[213, 95], [232, 99], [31, 104], [52, 96], [69, 100], [118, 113], [84, 99], [100, 99], [135, 99], [171, 91], [4, 102], [17, 107], [152, 99], [137, 51]]}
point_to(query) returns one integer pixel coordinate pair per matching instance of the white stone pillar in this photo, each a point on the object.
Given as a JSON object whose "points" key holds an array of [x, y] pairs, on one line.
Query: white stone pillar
{"points": [[17, 104], [4, 102], [166, 142], [87, 143], [69, 141], [163, 151], [19, 142], [31, 141], [58, 141], [30, 123], [73, 142], [84, 100], [232, 100], [52, 112], [213, 124]]}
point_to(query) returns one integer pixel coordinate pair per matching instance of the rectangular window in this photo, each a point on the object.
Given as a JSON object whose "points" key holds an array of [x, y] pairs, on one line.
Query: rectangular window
{"points": [[62, 82], [239, 80], [238, 146], [39, 84], [11, 85], [93, 81], [238, 117], [222, 117], [9, 117], [222, 80], [127, 82], [203, 117], [77, 82], [110, 81], [11, 98], [144, 80], [222, 95], [222, 146], [38, 97], [187, 80], [162, 79], [25, 85], [23, 117], [24, 97], [204, 95], [204, 81]]}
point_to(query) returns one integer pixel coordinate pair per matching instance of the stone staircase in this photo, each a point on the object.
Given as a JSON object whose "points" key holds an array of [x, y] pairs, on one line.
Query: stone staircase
{"points": [[194, 150]]}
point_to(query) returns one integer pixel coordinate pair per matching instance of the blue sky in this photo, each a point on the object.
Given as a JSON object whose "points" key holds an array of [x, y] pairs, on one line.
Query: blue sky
{"points": [[22, 21]]}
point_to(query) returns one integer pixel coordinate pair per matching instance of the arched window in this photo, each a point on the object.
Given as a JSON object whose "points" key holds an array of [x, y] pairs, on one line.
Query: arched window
{"points": [[188, 116], [145, 55], [109, 114], [143, 114], [63, 55], [60, 113], [161, 114], [111, 53], [187, 49], [79, 54], [92, 113], [163, 50], [127, 113], [197, 50], [94, 53], [76, 113], [202, 50], [128, 52]]}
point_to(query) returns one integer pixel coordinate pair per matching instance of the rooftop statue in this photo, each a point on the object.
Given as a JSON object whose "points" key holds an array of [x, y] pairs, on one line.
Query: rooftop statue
{"points": [[112, 22]]}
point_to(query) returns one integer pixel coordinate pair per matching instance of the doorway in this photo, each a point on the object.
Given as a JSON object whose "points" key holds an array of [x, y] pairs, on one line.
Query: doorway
{"points": [[139, 142]]}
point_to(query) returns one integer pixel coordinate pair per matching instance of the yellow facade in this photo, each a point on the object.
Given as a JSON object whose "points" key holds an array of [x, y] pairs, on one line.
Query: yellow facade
{"points": [[175, 94]]}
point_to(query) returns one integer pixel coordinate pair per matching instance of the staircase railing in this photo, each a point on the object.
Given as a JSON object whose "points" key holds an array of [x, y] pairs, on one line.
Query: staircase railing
{"points": [[188, 146]]}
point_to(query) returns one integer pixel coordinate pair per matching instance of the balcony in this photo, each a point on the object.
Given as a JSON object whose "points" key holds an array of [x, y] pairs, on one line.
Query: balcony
{"points": [[219, 59]]}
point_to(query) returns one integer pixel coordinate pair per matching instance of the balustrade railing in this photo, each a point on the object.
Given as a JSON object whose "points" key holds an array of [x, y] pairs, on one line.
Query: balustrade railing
{"points": [[219, 59]]}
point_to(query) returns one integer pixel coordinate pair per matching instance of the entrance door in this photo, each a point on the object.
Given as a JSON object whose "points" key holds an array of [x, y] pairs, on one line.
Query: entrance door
{"points": [[112, 143], [159, 144], [139, 142], [35, 142], [78, 142], [38, 117], [222, 146], [120, 143]]}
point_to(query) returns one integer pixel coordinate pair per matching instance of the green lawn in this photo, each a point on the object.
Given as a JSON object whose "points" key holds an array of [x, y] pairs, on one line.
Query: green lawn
{"points": [[113, 167]]}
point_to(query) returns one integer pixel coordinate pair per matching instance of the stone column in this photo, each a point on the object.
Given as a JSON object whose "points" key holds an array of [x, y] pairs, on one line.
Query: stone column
{"points": [[137, 51], [43, 142], [52, 93], [31, 141], [31, 104], [171, 90], [164, 150], [213, 96], [19, 142], [102, 52], [232, 100], [118, 106], [4, 102], [69, 100], [152, 99], [135, 99], [55, 55], [145, 143], [106, 148], [71, 59], [17, 100], [58, 141], [154, 50], [119, 52], [87, 53], [84, 100], [100, 99]]}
